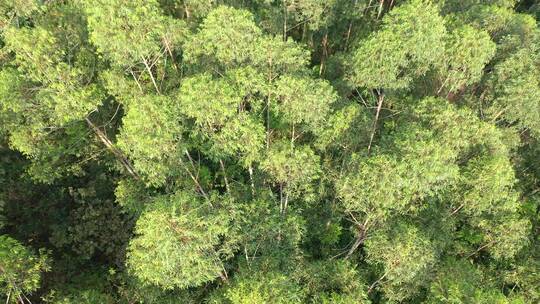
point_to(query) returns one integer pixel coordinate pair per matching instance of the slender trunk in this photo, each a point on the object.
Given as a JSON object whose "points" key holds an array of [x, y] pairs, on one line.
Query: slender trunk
{"points": [[324, 53], [380, 98], [281, 198], [292, 137], [168, 47], [457, 209], [268, 96], [359, 240], [442, 85], [151, 74], [350, 28], [284, 20], [304, 29], [117, 153], [381, 4], [191, 174], [501, 112], [186, 11], [348, 36], [481, 247], [223, 276], [136, 80], [362, 231], [367, 7], [286, 202], [377, 282], [27, 299], [195, 180], [268, 122], [250, 169], [225, 176], [246, 254]]}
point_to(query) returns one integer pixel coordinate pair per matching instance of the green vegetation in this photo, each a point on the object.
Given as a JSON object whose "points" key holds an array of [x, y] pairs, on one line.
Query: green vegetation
{"points": [[269, 151]]}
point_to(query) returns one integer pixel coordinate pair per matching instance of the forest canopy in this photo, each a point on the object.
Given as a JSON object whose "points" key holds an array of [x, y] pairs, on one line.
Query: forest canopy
{"points": [[269, 151]]}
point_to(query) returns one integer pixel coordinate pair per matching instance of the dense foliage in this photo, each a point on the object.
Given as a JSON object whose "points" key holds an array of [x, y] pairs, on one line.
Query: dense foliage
{"points": [[269, 151]]}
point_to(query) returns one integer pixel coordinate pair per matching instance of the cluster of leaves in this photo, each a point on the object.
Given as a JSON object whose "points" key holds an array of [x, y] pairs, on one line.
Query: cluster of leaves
{"points": [[256, 151]]}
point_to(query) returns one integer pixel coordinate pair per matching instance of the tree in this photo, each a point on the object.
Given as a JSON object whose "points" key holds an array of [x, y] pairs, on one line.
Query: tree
{"points": [[20, 270], [138, 24], [406, 257], [407, 45], [468, 52], [150, 136], [261, 288], [460, 282], [177, 243], [515, 88]]}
